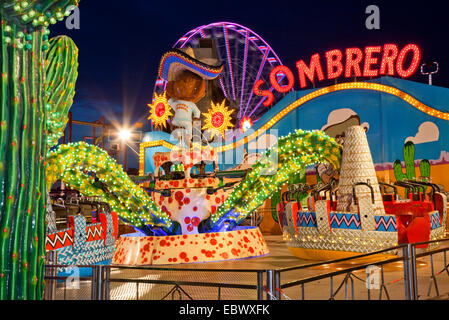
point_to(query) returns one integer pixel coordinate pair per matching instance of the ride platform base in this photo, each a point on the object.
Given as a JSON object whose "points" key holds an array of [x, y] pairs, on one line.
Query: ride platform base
{"points": [[138, 250], [328, 255]]}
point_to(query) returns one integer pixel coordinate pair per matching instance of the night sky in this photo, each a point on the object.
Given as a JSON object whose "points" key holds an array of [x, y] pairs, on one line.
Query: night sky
{"points": [[121, 44]]}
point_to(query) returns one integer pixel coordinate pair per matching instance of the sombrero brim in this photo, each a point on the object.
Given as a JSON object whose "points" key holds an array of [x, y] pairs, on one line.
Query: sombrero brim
{"points": [[338, 128], [174, 61]]}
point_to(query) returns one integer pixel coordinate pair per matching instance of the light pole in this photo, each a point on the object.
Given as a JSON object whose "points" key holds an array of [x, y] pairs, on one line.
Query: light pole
{"points": [[124, 136], [428, 69]]}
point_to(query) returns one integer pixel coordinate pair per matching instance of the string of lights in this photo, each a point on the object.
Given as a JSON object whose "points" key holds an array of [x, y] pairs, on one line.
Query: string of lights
{"points": [[292, 153], [318, 93], [93, 172]]}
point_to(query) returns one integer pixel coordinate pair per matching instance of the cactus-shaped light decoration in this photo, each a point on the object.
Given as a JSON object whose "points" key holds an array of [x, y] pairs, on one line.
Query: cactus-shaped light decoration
{"points": [[293, 153], [297, 178], [424, 169], [23, 143], [409, 157], [410, 173], [72, 164], [61, 65]]}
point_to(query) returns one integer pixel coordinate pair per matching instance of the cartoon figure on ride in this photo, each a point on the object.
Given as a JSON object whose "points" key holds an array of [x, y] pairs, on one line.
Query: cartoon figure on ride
{"points": [[186, 85]]}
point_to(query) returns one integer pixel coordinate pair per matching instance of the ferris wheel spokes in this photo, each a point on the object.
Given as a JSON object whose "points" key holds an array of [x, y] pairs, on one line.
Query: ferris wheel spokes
{"points": [[257, 78], [246, 58]]}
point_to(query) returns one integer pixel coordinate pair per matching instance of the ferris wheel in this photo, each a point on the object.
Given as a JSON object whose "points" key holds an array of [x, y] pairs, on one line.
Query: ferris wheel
{"points": [[246, 57]]}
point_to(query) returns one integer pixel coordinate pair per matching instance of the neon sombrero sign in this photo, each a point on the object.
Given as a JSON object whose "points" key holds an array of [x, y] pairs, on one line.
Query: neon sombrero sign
{"points": [[373, 61]]}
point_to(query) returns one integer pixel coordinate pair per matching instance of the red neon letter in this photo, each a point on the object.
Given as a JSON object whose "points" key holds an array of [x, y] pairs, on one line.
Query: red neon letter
{"points": [[274, 81], [369, 60], [265, 93], [334, 65], [415, 61], [353, 62], [390, 54], [315, 66]]}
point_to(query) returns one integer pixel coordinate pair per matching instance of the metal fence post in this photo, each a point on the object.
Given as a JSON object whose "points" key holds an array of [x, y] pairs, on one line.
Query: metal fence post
{"points": [[50, 284], [409, 274], [259, 285], [93, 282], [99, 282], [107, 284], [406, 262], [277, 284], [414, 272], [270, 285], [50, 271]]}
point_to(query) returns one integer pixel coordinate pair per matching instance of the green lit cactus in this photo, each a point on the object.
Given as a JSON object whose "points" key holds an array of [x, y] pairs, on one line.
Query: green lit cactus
{"points": [[297, 178], [410, 173], [409, 157], [424, 168], [295, 152], [24, 143], [61, 66]]}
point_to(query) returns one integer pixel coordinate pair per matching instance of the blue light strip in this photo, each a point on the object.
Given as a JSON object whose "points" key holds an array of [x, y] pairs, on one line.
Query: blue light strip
{"points": [[227, 222]]}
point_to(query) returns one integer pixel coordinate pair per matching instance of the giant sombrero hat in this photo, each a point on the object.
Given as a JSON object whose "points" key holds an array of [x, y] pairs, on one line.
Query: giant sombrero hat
{"points": [[174, 61], [341, 119]]}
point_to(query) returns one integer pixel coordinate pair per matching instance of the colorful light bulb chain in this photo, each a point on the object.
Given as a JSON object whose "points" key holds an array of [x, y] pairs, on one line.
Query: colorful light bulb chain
{"points": [[38, 13]]}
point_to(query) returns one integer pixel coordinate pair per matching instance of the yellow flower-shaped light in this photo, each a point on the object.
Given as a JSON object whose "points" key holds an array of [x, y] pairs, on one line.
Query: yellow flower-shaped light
{"points": [[160, 110], [218, 119]]}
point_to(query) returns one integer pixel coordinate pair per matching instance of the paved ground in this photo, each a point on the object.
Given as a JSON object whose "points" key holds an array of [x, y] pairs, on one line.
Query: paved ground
{"points": [[278, 258]]}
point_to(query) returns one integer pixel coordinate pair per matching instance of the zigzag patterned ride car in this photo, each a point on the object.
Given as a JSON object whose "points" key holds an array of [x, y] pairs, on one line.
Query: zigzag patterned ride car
{"points": [[358, 218], [323, 234], [85, 244]]}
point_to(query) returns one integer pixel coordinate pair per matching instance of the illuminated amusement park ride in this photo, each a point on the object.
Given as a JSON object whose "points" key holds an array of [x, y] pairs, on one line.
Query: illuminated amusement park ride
{"points": [[354, 215], [191, 204]]}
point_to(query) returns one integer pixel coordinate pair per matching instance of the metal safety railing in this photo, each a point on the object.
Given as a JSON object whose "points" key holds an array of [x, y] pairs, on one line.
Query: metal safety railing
{"points": [[408, 255], [272, 284], [348, 275], [101, 282]]}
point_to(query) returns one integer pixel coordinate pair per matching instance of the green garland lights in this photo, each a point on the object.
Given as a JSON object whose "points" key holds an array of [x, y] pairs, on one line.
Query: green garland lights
{"points": [[61, 66], [295, 152], [73, 163], [38, 13]]}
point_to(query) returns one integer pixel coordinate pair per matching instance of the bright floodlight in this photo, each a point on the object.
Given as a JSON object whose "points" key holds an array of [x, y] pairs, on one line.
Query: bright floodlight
{"points": [[124, 134]]}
